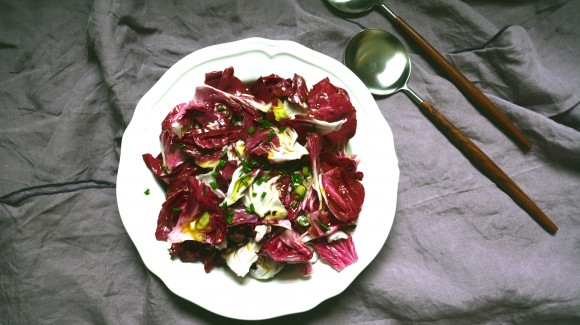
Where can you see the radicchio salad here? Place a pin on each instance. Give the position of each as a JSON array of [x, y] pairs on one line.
[[257, 177]]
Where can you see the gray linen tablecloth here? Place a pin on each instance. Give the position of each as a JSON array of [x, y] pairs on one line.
[[460, 250]]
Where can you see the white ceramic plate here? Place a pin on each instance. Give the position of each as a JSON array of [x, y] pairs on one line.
[[221, 291]]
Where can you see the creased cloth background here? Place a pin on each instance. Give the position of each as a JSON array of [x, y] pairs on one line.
[[460, 250]]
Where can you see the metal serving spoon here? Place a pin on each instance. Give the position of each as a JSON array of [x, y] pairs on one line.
[[383, 64], [467, 87]]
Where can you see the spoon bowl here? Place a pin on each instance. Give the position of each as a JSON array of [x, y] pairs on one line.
[[354, 6], [383, 64], [380, 60], [473, 93]]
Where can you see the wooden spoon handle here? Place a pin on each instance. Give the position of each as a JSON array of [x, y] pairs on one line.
[[466, 87], [487, 166]]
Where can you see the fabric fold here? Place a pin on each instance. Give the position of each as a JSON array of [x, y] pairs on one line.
[[509, 67]]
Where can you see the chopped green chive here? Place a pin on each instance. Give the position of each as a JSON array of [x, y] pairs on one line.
[[222, 163], [246, 168], [264, 124], [221, 109], [251, 130], [228, 114], [213, 185], [326, 227], [263, 195], [229, 216], [147, 192], [262, 180], [296, 178], [303, 221], [300, 191], [203, 221], [254, 194]]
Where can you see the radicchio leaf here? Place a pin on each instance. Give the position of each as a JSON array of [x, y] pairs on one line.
[[305, 269], [299, 91], [339, 253], [265, 87], [199, 199], [226, 81], [169, 214], [177, 121], [343, 194], [190, 251], [155, 164], [240, 103], [286, 246], [172, 154], [217, 139], [331, 103]]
